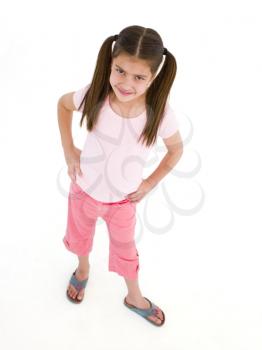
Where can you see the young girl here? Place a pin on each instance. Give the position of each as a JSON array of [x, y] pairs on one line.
[[125, 109]]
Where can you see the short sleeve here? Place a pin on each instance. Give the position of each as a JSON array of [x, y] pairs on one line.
[[78, 97], [169, 124]]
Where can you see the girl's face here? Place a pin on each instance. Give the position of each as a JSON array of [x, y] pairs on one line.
[[130, 77]]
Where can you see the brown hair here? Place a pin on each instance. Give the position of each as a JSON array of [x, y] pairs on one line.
[[145, 44]]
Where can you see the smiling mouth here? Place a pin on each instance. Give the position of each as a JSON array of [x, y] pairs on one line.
[[124, 92]]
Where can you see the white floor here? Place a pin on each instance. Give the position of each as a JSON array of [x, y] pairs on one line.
[[204, 276]]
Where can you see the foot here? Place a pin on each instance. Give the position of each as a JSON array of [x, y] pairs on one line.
[[80, 276], [142, 303]]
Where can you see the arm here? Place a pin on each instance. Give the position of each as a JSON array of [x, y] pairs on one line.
[[65, 108], [174, 147]]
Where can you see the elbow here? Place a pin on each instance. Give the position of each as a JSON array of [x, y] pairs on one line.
[[177, 151], [60, 101]]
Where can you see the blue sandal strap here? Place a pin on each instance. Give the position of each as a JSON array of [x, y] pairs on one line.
[[143, 312], [78, 284]]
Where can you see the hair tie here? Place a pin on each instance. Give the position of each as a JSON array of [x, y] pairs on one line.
[[164, 51], [116, 37]]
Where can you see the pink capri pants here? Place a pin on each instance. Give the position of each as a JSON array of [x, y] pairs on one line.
[[120, 218]]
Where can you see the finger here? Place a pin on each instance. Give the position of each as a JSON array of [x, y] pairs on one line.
[[136, 194], [131, 194], [135, 197], [78, 170], [72, 178], [74, 174], [137, 200], [71, 174]]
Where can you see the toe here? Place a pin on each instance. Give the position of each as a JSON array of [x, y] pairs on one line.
[[155, 319], [72, 292], [160, 314], [80, 295]]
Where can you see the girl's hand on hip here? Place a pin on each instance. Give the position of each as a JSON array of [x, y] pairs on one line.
[[72, 157], [142, 190]]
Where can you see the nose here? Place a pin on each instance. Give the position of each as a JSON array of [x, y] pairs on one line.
[[127, 83]]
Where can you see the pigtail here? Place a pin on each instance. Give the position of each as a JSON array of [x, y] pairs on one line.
[[100, 86], [157, 96]]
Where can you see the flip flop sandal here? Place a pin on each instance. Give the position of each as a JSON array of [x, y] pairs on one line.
[[152, 311], [79, 285]]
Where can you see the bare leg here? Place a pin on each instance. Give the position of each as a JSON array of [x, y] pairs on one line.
[[83, 266], [135, 297], [82, 273]]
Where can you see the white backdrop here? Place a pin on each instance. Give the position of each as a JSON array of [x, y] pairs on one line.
[[205, 270]]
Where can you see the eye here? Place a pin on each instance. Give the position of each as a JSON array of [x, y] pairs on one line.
[[121, 71], [118, 70]]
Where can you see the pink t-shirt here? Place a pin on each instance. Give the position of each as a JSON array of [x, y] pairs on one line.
[[111, 160]]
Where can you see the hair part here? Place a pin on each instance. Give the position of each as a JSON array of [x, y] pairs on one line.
[[142, 43]]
